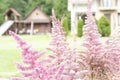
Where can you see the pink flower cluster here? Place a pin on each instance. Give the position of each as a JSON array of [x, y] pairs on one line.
[[61, 52], [97, 61], [32, 68], [101, 61]]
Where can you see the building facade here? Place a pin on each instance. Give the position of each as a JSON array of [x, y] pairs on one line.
[[108, 8]]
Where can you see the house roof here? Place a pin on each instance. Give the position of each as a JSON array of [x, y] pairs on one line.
[[37, 15], [12, 10]]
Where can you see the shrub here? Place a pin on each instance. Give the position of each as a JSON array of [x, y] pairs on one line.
[[65, 25], [99, 29], [104, 26], [79, 27]]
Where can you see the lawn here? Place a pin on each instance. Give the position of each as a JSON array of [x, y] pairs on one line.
[[9, 53]]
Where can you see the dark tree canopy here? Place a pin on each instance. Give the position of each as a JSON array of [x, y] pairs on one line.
[[25, 6]]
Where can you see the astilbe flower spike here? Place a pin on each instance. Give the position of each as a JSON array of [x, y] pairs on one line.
[[92, 44], [30, 58], [98, 62], [32, 68], [61, 53], [112, 49], [112, 54]]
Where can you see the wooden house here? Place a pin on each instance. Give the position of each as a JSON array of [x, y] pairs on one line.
[[36, 22], [12, 17], [12, 14]]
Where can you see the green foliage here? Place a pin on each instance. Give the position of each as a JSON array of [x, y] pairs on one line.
[[25, 6], [79, 27], [65, 25], [45, 5], [1, 18], [19, 5], [104, 26], [2, 10], [60, 7]]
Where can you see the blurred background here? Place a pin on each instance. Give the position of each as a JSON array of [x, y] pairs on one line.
[[31, 19]]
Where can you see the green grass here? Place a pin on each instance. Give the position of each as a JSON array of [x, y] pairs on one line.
[[9, 53]]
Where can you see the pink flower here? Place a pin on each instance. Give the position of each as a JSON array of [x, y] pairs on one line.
[[32, 68], [61, 54], [100, 62], [97, 61], [30, 58]]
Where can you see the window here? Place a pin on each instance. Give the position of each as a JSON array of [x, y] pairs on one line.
[[37, 13], [119, 19], [107, 3]]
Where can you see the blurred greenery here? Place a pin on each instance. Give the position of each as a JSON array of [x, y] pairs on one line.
[[80, 27], [25, 6], [65, 25], [104, 26]]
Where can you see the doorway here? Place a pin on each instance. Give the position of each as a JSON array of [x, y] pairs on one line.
[[108, 15]]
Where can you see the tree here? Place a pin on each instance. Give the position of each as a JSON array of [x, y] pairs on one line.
[[25, 6], [65, 25], [60, 7], [45, 5], [17, 5], [3, 8], [79, 27], [12, 4], [104, 26]]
